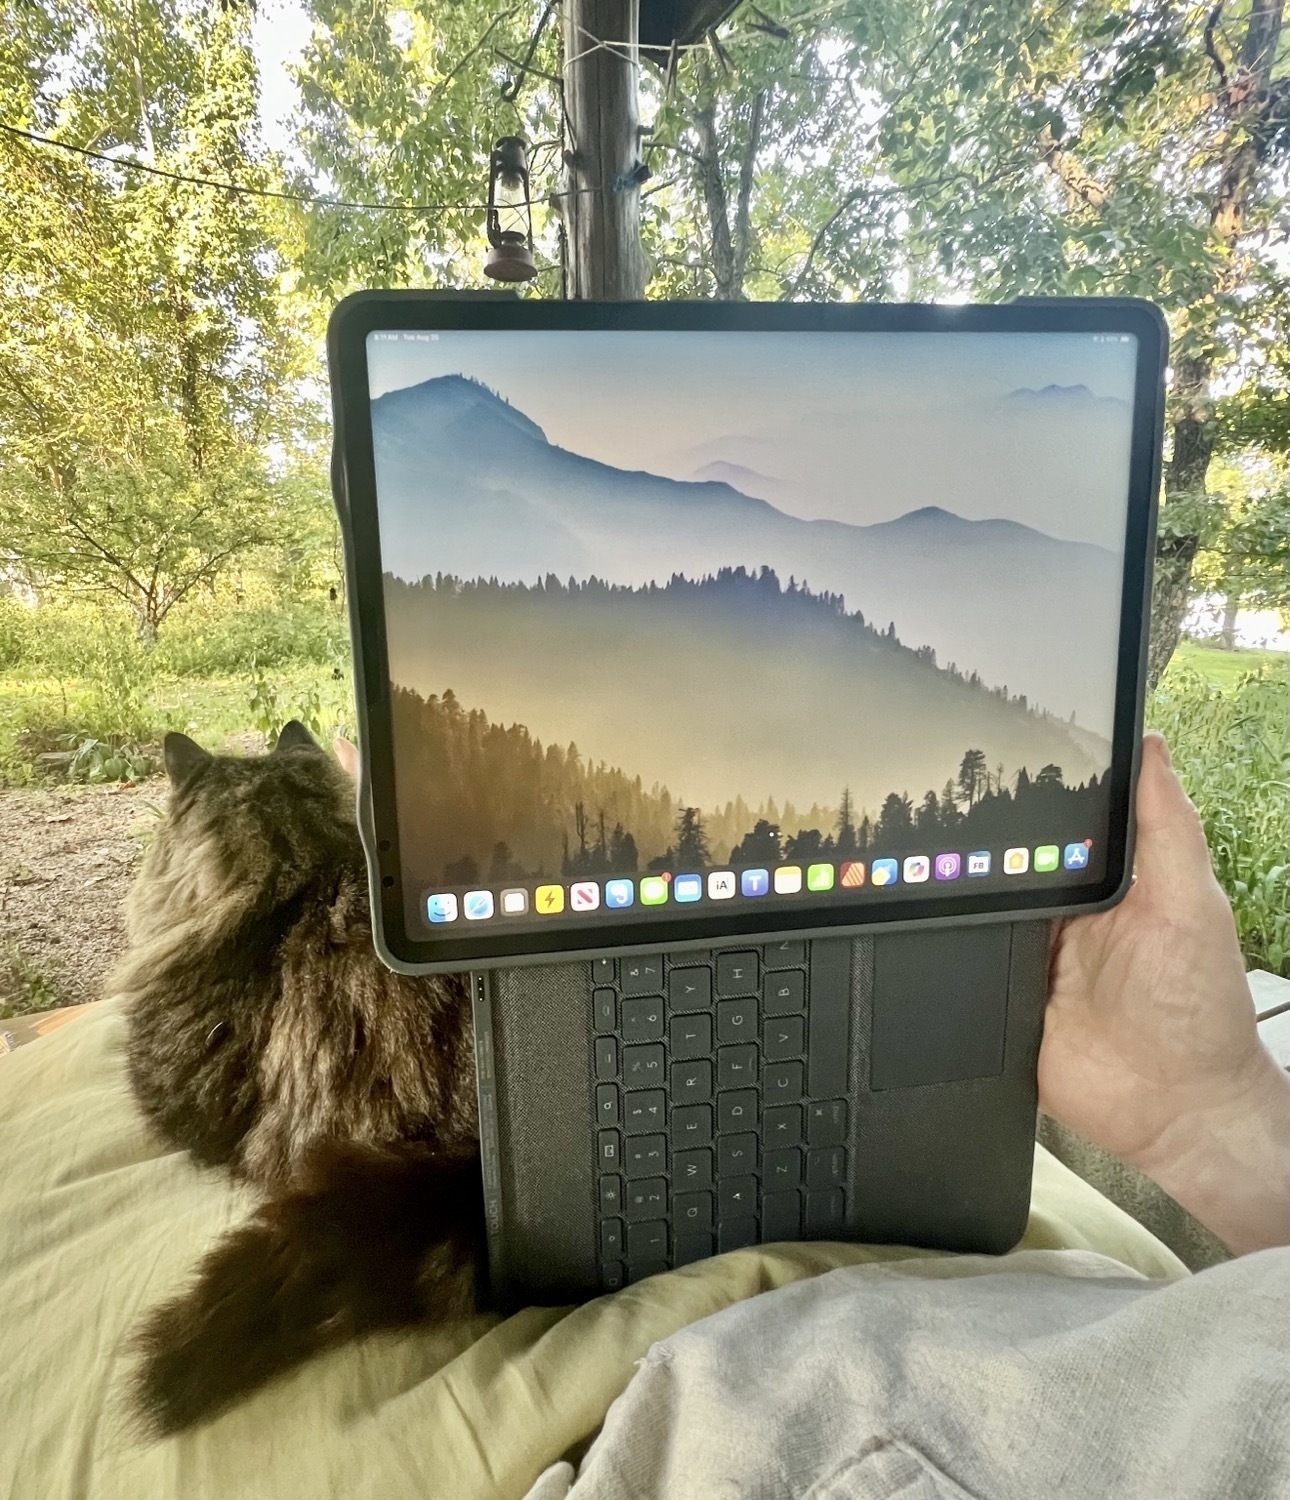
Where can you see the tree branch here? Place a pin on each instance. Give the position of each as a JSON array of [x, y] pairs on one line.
[[747, 167], [1077, 182], [1211, 44]]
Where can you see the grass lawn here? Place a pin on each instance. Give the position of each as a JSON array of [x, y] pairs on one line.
[[1226, 667]]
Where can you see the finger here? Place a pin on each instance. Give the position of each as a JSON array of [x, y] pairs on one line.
[[1171, 842]]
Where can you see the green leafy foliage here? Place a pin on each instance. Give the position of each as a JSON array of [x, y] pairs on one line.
[[1232, 752]]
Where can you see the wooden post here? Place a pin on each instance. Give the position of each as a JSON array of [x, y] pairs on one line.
[[604, 260]]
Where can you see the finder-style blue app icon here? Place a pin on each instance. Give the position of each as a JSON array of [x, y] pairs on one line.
[[1076, 857], [442, 908], [687, 888], [619, 893], [754, 882]]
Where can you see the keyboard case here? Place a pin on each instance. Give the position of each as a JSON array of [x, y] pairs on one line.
[[936, 1065]]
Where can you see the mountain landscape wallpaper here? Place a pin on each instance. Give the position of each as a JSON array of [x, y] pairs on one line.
[[810, 609]]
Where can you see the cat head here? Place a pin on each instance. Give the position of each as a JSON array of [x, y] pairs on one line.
[[244, 833]]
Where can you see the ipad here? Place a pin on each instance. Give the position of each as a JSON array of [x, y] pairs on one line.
[[681, 622]]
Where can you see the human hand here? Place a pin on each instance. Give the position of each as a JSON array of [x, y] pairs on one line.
[[1150, 1046]]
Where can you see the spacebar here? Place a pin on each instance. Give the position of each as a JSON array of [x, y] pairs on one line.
[[828, 1045]]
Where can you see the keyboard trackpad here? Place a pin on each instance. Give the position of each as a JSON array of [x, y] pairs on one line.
[[940, 1004]]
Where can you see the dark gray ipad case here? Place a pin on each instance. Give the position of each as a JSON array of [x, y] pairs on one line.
[[742, 689]]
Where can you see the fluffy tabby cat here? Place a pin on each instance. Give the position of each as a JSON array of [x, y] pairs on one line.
[[267, 1038]]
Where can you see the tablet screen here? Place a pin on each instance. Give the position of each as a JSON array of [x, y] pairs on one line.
[[680, 622]]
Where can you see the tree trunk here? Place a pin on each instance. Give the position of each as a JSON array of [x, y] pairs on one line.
[[1227, 635], [605, 261]]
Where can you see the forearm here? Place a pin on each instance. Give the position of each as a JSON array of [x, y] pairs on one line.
[[1230, 1167]]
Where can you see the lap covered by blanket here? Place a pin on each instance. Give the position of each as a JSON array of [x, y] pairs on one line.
[[99, 1222]]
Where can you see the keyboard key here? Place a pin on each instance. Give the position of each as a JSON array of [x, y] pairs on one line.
[[692, 1247], [736, 1234], [611, 1239], [647, 1241], [825, 1212], [644, 1269], [646, 1199], [737, 1154], [606, 1104], [826, 1167], [608, 1150], [692, 1211], [611, 1196], [783, 1125], [602, 971], [781, 1216], [643, 1020], [826, 1122], [643, 976], [604, 1010], [737, 1196], [737, 1020], [789, 955], [737, 1067], [644, 1110], [782, 1081], [785, 994], [645, 1155], [736, 973], [643, 1066], [612, 1277], [782, 1169], [690, 1037], [606, 1057], [736, 1110], [692, 1169], [691, 1082], [692, 1125], [689, 989], [784, 1038]]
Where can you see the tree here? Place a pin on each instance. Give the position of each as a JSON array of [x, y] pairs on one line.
[[974, 777], [146, 361], [691, 847], [845, 842], [760, 847]]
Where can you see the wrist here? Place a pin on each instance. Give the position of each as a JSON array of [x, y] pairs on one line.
[[1228, 1163]]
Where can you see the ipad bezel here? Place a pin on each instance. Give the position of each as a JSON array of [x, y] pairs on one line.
[[353, 482]]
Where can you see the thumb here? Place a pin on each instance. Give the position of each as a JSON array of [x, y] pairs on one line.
[[1171, 851]]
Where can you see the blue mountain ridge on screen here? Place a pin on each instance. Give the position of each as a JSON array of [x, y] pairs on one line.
[[468, 485]]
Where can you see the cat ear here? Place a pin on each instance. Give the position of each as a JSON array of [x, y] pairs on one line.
[[347, 754], [294, 736], [182, 757]]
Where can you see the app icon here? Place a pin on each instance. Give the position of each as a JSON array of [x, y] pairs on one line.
[[819, 877], [788, 880], [548, 899], [619, 893], [948, 866], [721, 885], [884, 872], [653, 890], [1016, 861], [515, 902], [852, 875], [477, 906], [584, 895], [1076, 857], [754, 882], [1046, 858], [687, 888], [979, 863], [442, 908], [917, 868]]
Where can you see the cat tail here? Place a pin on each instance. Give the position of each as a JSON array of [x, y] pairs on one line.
[[367, 1238]]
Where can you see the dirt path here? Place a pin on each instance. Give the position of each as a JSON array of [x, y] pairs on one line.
[[67, 857]]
